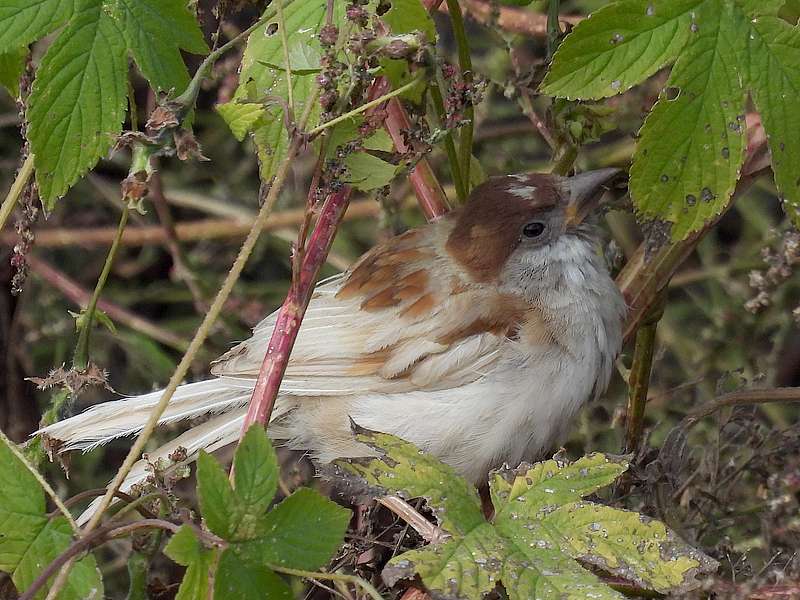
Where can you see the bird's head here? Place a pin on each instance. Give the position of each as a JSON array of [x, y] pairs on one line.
[[526, 222]]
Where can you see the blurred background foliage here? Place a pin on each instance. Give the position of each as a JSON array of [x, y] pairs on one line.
[[730, 482]]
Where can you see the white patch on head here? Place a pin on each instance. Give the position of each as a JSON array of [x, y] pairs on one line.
[[523, 191]]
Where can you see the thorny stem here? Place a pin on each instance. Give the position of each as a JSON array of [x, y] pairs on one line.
[[465, 63], [354, 579], [41, 480], [24, 173], [785, 394], [85, 321], [639, 378], [366, 106]]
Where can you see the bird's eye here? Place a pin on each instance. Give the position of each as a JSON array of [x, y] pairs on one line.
[[533, 229]]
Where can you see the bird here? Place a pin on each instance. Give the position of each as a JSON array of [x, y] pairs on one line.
[[477, 337]]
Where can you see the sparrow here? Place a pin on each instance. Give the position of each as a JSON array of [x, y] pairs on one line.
[[477, 337]]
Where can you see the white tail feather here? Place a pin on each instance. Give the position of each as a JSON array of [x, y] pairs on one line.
[[211, 435], [105, 422]]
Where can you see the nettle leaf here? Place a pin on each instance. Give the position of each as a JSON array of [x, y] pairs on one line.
[[367, 172], [12, 65], [155, 32], [692, 145], [77, 104], [541, 526], [25, 21], [302, 532], [29, 540], [258, 80], [185, 549]]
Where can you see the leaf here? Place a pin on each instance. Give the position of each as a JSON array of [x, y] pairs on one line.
[[237, 578], [12, 66], [622, 44], [221, 508], [774, 76], [540, 527], [29, 541], [255, 472], [302, 532], [303, 20], [366, 172], [240, 116], [627, 544], [77, 104], [692, 145], [155, 32], [25, 21], [407, 16], [185, 549]]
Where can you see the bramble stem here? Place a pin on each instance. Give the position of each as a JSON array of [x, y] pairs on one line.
[[354, 579]]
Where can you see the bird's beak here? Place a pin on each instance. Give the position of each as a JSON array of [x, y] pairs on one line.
[[585, 191]]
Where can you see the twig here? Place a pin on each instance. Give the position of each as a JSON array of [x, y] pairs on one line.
[[204, 229], [354, 579], [429, 532], [514, 20], [366, 106], [42, 481], [79, 546], [21, 180], [784, 394], [86, 320], [435, 89], [287, 66], [80, 296]]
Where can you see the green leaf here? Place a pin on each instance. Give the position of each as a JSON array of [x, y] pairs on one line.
[[77, 104], [624, 543], [406, 16], [774, 76], [255, 472], [185, 549], [240, 116], [219, 505], [366, 172], [302, 532], [691, 147], [156, 31], [12, 65], [553, 482], [243, 580], [25, 21], [540, 527], [303, 20], [622, 44], [29, 541]]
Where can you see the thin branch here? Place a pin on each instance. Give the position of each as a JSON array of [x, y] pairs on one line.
[[287, 63], [465, 63], [429, 532], [512, 19], [766, 396], [42, 481], [80, 297], [204, 229], [354, 579], [13, 196]]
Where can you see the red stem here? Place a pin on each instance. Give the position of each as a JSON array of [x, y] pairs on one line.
[[433, 202]]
